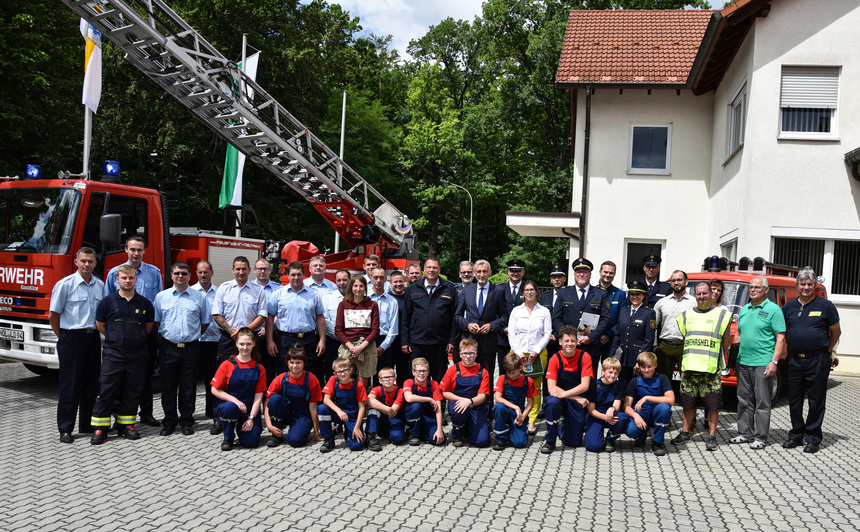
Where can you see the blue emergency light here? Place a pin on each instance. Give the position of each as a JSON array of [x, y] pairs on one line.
[[33, 171], [110, 168]]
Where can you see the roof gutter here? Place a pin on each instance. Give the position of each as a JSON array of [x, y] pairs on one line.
[[713, 29]]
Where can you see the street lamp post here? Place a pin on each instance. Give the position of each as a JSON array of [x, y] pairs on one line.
[[470, 211]]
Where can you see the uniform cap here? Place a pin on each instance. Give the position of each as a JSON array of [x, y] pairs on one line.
[[582, 263], [516, 264], [557, 269], [636, 286], [652, 260]]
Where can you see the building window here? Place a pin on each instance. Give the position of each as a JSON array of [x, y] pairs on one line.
[[650, 149], [838, 261], [737, 120], [634, 253], [729, 249], [808, 102]]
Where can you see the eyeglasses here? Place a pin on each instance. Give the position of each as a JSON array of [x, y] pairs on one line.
[[756, 287], [469, 354], [676, 280], [467, 272], [386, 378], [529, 290], [342, 372], [420, 371], [180, 273]]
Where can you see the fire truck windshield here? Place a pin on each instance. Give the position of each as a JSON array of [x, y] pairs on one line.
[[38, 220]]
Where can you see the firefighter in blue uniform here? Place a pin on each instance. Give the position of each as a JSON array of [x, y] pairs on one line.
[[635, 331], [655, 289], [126, 319], [577, 300]]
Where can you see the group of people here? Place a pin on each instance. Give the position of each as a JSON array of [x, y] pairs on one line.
[[401, 330]]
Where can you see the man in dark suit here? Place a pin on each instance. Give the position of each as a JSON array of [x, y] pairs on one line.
[[655, 289], [575, 301], [428, 320], [634, 332], [482, 314], [513, 293]]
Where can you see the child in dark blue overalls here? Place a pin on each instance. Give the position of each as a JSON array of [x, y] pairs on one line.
[[240, 383], [649, 403], [568, 377], [605, 396], [423, 407], [466, 386], [292, 401], [385, 416], [343, 402], [514, 395]]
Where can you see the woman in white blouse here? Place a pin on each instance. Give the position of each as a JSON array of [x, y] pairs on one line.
[[529, 329]]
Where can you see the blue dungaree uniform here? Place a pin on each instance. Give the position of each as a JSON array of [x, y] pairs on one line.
[[242, 386], [574, 415], [657, 415], [124, 360], [473, 420], [292, 407], [382, 424], [605, 396], [504, 428], [346, 401], [420, 417]]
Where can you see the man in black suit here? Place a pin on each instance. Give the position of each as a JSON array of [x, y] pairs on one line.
[[513, 293], [482, 314], [655, 289], [579, 299]]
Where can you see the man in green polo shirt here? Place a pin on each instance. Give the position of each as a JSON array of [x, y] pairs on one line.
[[762, 328]]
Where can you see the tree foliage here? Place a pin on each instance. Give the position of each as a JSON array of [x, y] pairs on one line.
[[475, 105]]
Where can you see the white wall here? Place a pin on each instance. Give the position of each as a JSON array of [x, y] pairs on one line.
[[638, 207]]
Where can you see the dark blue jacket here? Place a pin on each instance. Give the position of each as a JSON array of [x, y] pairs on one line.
[[634, 334], [569, 309], [426, 320]]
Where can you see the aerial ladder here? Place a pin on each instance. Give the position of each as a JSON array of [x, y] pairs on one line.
[[170, 52]]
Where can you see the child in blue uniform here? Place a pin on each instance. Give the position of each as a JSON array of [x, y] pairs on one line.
[[292, 400], [423, 400], [514, 395], [240, 383], [605, 397], [568, 377], [649, 403], [385, 415], [343, 403], [466, 386]]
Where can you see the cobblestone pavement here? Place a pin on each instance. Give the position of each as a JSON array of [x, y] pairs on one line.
[[187, 483]]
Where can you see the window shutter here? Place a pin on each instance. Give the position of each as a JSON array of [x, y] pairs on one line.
[[809, 87]]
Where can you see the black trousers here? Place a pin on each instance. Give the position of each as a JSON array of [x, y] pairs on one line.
[[79, 353], [807, 377], [121, 383], [152, 341], [316, 364], [179, 370]]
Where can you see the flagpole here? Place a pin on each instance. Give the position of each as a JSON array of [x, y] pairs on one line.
[[339, 166], [241, 212], [88, 140]]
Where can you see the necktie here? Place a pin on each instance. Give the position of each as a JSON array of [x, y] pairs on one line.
[[632, 310], [432, 288], [554, 297], [480, 299], [513, 291], [582, 294]]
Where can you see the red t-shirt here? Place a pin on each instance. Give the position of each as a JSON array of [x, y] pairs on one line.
[[360, 393], [222, 376], [434, 388], [395, 397], [570, 364], [517, 383], [450, 378], [313, 386]]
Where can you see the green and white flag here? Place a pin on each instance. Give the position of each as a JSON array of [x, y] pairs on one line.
[[231, 184]]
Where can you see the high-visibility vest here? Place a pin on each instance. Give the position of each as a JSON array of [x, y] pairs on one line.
[[703, 335]]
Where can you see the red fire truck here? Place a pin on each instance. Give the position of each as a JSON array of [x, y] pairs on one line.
[[47, 220]]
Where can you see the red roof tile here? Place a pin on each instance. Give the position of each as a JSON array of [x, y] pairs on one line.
[[626, 47]]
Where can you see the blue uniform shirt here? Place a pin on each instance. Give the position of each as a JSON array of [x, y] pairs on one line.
[[270, 288], [181, 314], [211, 334], [323, 288], [330, 302], [389, 319], [149, 282], [240, 305], [296, 311], [75, 300]]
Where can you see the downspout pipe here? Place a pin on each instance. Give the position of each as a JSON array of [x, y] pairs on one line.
[[583, 217]]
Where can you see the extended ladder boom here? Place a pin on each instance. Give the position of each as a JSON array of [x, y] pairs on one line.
[[171, 53]]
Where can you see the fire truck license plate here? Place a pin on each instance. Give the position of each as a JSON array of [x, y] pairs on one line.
[[12, 334]]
